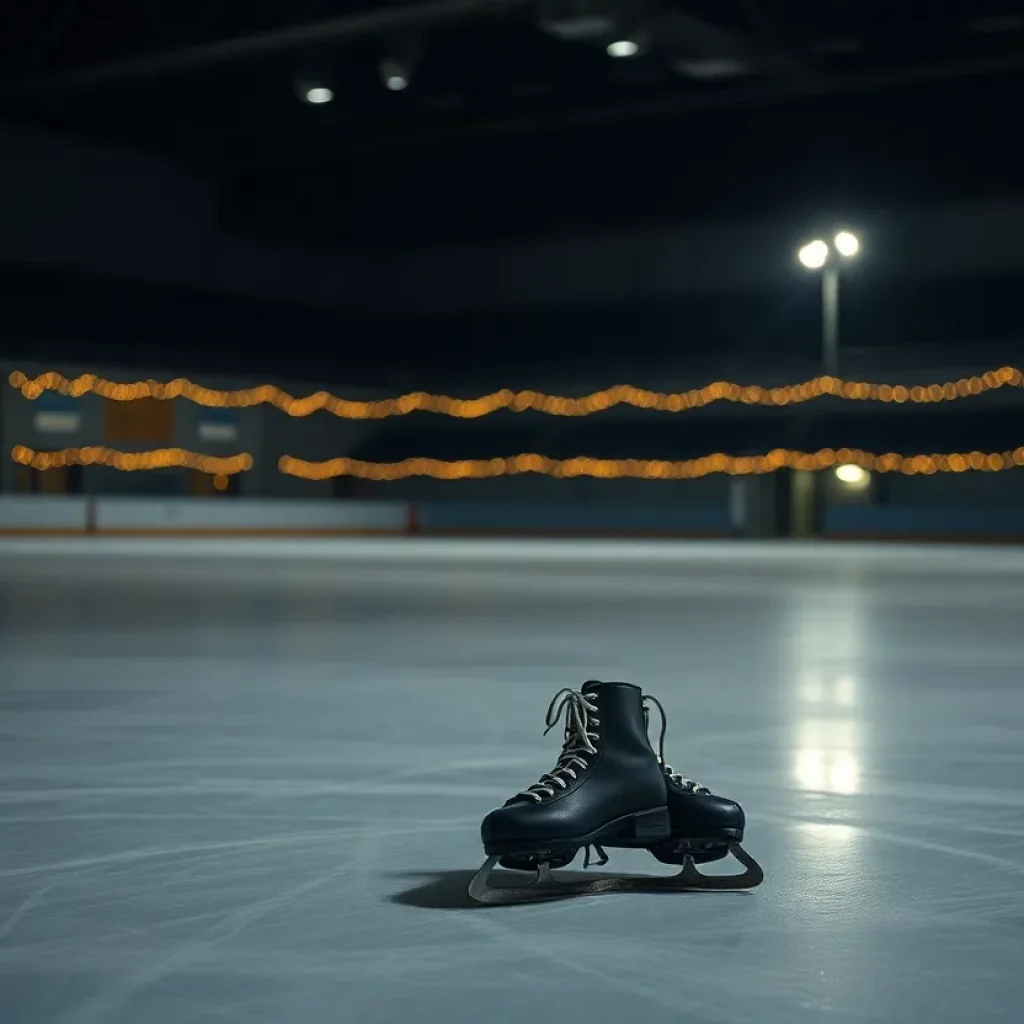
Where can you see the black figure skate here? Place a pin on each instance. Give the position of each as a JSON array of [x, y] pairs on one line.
[[607, 790], [703, 827]]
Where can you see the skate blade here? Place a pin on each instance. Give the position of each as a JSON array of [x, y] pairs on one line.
[[546, 887], [691, 879]]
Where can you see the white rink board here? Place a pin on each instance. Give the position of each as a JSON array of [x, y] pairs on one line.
[[31, 513], [43, 512], [237, 514]]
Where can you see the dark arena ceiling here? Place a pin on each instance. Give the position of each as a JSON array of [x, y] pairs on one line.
[[481, 118]]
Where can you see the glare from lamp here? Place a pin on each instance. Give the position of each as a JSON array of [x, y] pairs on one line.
[[847, 243], [318, 94], [852, 476], [814, 255], [623, 48], [396, 73]]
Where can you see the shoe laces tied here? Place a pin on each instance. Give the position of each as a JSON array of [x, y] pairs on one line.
[[581, 723], [683, 783]]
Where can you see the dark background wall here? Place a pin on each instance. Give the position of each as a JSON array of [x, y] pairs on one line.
[[104, 211], [107, 254], [620, 253]]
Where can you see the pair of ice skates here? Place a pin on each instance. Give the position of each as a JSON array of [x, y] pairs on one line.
[[609, 789]]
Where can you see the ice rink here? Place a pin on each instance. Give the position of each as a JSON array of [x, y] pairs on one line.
[[243, 781]]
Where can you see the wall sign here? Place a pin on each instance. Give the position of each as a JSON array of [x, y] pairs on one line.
[[218, 425], [55, 413]]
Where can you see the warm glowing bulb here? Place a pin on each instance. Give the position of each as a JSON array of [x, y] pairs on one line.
[[813, 255], [847, 243], [853, 476], [319, 94], [623, 48]]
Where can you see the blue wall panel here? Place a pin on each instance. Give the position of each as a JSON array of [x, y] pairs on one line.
[[705, 518], [925, 520]]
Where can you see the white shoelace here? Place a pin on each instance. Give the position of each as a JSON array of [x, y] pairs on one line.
[[581, 723], [688, 785]]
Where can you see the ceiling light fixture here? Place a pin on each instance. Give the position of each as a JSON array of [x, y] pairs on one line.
[[317, 94], [623, 48]]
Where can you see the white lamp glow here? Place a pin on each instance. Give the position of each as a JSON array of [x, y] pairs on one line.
[[853, 476], [813, 255], [623, 48], [847, 243], [318, 94]]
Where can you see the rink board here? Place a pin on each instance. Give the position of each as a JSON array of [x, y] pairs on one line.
[[35, 515]]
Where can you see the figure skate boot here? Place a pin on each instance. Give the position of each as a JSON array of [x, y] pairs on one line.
[[705, 828], [607, 790]]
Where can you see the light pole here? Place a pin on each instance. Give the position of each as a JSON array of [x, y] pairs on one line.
[[828, 257]]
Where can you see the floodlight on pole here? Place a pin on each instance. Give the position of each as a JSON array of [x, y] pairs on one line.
[[847, 244], [813, 255], [820, 255]]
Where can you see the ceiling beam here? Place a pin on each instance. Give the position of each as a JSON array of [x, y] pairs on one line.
[[259, 44], [751, 94], [674, 28]]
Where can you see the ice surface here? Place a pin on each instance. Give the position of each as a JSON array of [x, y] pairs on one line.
[[243, 781]]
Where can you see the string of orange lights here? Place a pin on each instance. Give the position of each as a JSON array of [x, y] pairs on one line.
[[651, 469], [580, 466], [519, 401], [161, 458], [648, 469]]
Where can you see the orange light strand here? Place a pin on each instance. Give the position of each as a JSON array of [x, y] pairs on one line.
[[161, 458], [518, 401]]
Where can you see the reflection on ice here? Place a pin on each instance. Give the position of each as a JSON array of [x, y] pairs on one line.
[[827, 771], [846, 691], [821, 688], [826, 833], [826, 757]]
